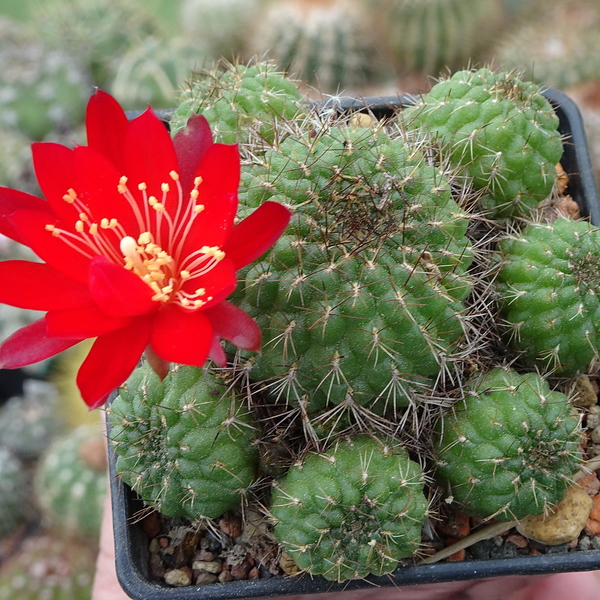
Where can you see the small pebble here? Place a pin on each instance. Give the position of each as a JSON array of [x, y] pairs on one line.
[[206, 578], [225, 577], [178, 577], [231, 525], [207, 566], [563, 524], [240, 571], [593, 417]]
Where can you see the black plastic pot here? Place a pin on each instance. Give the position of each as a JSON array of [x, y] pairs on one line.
[[131, 543]]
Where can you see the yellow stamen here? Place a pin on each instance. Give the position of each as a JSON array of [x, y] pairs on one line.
[[174, 175], [79, 226], [194, 194], [198, 208], [142, 186], [164, 187], [197, 181], [94, 228]]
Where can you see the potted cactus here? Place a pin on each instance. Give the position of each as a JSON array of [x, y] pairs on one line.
[[363, 380]]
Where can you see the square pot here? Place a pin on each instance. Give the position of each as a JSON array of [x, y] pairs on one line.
[[131, 543]]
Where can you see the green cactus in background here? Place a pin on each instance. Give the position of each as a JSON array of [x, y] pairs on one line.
[[222, 27], [151, 72], [238, 101], [184, 444], [352, 511], [431, 36], [29, 424], [360, 301], [41, 89], [547, 292], [556, 45], [15, 505], [15, 160], [49, 568], [323, 43], [97, 32], [510, 448], [70, 482], [500, 131]]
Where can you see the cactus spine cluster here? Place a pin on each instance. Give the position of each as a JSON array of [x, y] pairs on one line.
[[510, 448]]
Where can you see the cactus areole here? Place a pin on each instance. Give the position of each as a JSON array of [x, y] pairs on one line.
[[140, 248]]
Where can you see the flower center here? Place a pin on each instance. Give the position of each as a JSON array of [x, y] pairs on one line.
[[155, 256]]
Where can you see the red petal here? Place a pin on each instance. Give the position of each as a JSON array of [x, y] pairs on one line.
[[213, 225], [157, 364], [220, 171], [119, 292], [216, 353], [111, 360], [181, 336], [254, 235], [55, 171], [191, 143], [235, 325], [107, 125], [150, 156], [30, 345], [12, 201], [82, 323], [52, 249], [37, 286], [97, 187], [218, 283]]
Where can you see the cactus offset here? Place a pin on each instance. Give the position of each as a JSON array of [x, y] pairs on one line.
[[184, 444], [547, 291], [239, 100], [510, 448], [352, 511], [361, 300], [500, 131]]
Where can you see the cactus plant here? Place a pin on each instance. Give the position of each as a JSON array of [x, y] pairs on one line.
[[70, 482], [98, 32], [41, 89], [237, 100], [557, 46], [510, 448], [323, 43], [29, 424], [47, 567], [352, 511], [360, 301], [15, 506], [546, 290], [500, 130], [184, 444], [150, 73], [223, 27], [429, 36]]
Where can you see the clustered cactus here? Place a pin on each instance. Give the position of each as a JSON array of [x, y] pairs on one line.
[[376, 306]]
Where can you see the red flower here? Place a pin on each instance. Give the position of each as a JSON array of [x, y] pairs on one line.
[[140, 248]]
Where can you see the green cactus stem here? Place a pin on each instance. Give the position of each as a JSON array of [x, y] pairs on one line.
[[184, 444], [500, 131], [352, 511], [548, 293], [510, 448]]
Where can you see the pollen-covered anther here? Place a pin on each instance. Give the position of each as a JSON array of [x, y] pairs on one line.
[[70, 196], [53, 229], [174, 175], [164, 187]]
